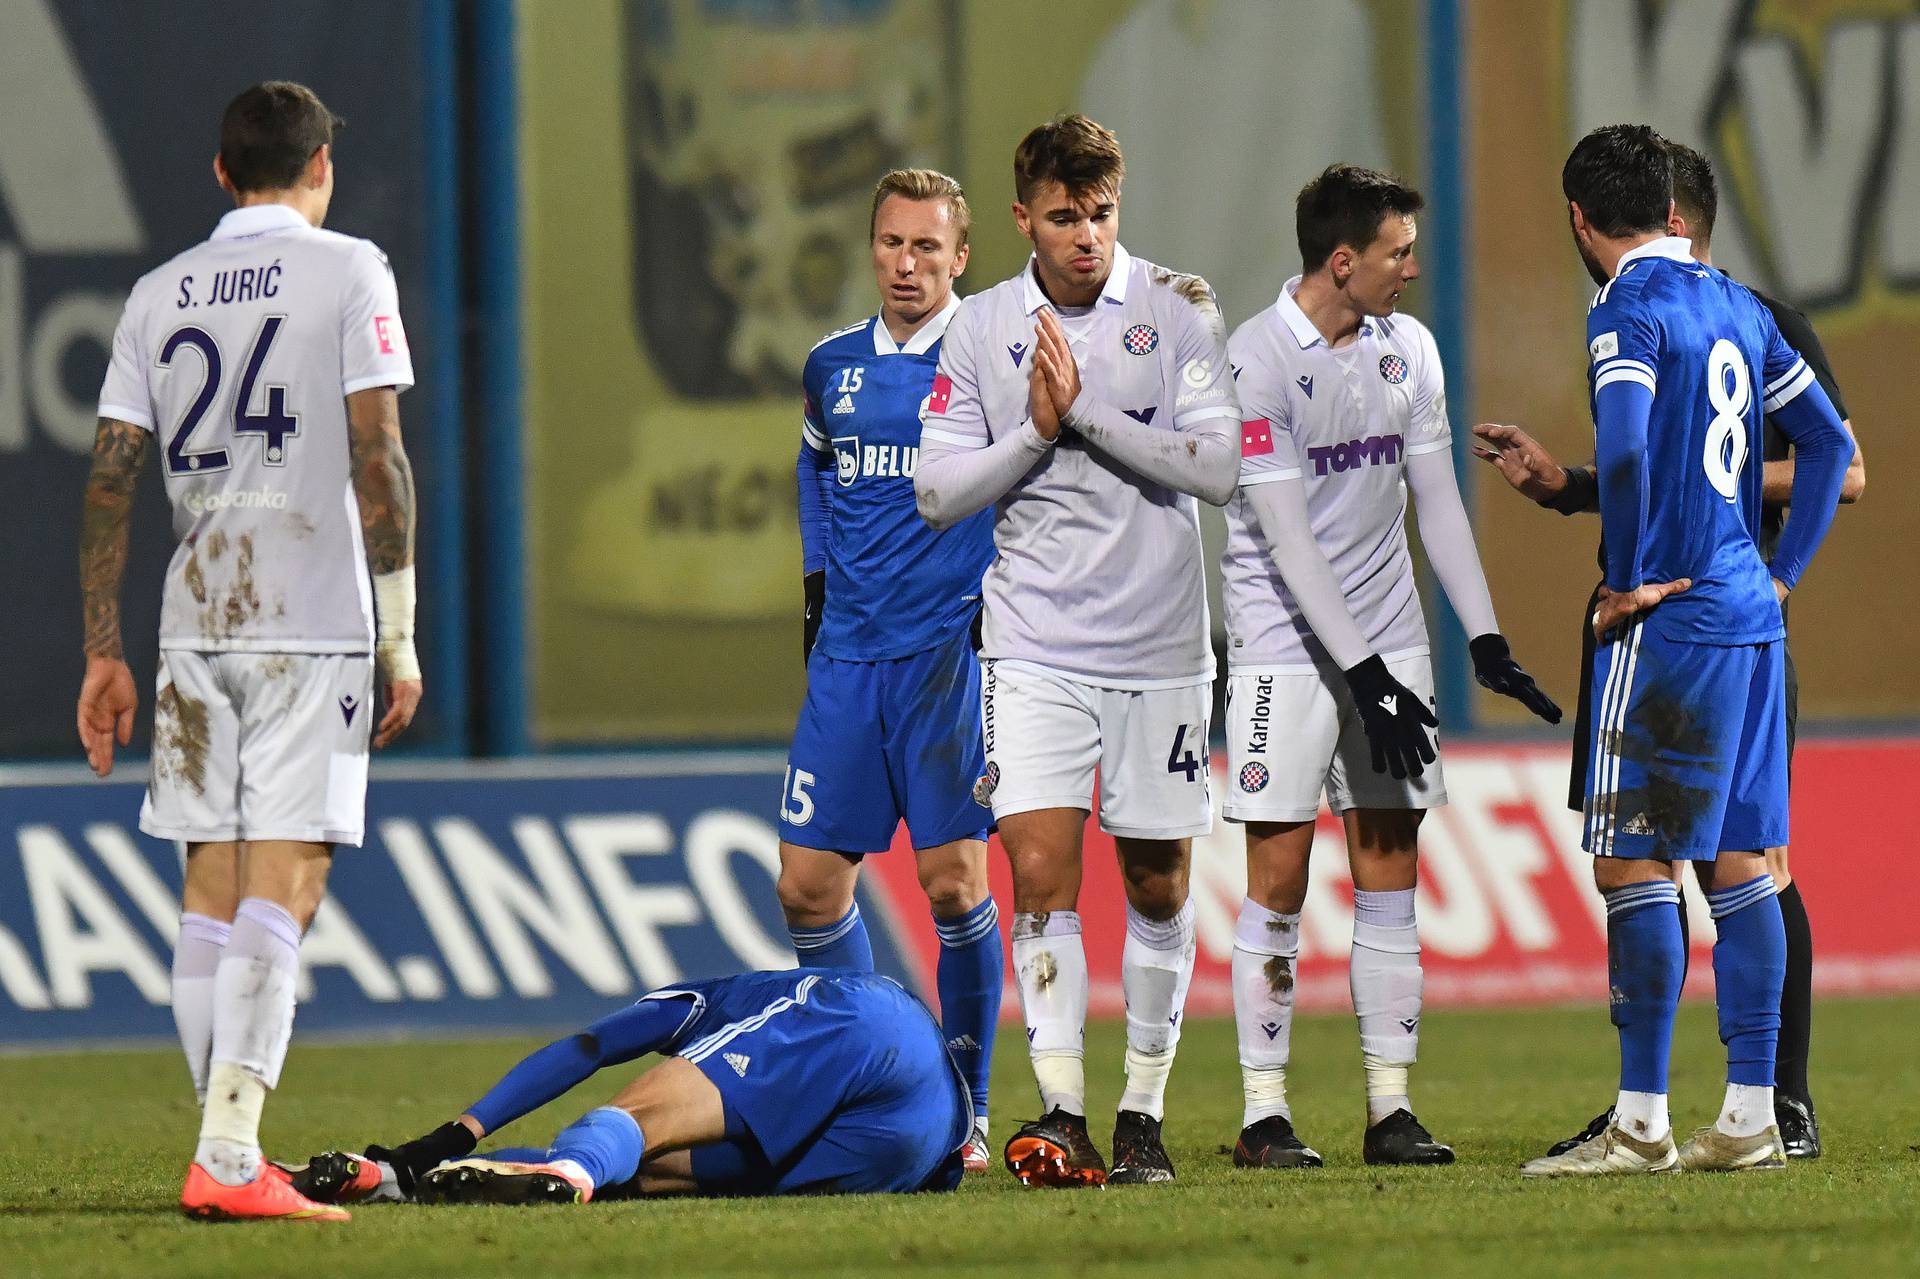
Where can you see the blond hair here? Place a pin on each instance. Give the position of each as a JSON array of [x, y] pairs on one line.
[[922, 184]]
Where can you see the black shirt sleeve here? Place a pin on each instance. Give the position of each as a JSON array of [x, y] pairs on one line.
[[1798, 332]]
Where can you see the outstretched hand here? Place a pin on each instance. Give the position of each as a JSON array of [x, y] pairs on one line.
[[1523, 463]]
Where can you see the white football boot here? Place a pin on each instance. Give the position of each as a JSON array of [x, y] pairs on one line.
[[1611, 1153]]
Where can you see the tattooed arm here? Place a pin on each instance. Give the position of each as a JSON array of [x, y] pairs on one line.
[[107, 696], [383, 485]]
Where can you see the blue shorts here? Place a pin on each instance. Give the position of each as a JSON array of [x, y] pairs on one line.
[[881, 741], [1688, 751], [834, 1082]]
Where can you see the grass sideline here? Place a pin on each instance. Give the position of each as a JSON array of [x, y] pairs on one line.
[[93, 1149]]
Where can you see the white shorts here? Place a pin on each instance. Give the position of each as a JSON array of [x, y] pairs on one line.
[[260, 746], [1291, 736], [1047, 734]]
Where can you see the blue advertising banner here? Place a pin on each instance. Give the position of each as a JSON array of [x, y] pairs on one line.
[[511, 896]]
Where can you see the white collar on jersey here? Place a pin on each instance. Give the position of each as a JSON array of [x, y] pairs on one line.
[[928, 334], [1675, 247], [1296, 320], [257, 219], [1305, 331], [1114, 294]]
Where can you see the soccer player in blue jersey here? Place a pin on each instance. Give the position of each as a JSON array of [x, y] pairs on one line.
[[891, 724], [800, 1082], [1688, 757]]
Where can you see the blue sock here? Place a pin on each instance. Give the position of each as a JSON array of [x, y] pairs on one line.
[[1646, 963], [841, 944], [606, 1142], [1749, 968], [544, 1074], [517, 1154], [970, 976]]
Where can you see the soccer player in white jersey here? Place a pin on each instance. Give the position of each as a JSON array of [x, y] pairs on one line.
[[1346, 411], [1089, 397], [265, 366]]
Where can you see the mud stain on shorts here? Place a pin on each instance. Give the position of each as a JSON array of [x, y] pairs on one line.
[[180, 738]]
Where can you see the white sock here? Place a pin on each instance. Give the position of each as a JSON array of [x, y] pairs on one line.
[[1643, 1115], [252, 1024], [1050, 968], [1156, 967], [1386, 979], [196, 956], [1747, 1111], [1266, 944]]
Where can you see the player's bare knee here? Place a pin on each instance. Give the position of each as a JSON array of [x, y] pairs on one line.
[[1155, 872], [953, 876], [811, 900], [1610, 873], [1384, 870]]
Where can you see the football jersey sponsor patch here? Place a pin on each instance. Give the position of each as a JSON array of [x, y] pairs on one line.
[[942, 392], [1256, 438], [1604, 347]]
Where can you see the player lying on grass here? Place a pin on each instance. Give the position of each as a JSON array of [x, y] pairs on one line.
[[801, 1082]]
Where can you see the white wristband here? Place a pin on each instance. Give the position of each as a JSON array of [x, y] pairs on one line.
[[393, 601]]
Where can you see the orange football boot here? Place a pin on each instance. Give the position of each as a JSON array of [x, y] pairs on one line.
[[266, 1198]]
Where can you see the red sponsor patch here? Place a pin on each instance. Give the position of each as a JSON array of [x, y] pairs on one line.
[[1256, 438], [388, 333], [942, 392]]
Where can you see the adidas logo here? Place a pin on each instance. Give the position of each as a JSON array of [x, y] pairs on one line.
[[964, 1044], [845, 405], [739, 1062], [1637, 825]]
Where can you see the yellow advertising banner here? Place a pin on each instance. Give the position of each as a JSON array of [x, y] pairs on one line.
[[1810, 113], [696, 176]]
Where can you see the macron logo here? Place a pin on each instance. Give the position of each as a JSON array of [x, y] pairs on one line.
[[1143, 416], [1016, 350], [1306, 384], [739, 1062]]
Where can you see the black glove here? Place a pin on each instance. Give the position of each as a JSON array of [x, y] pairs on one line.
[[815, 585], [1393, 716], [1494, 667]]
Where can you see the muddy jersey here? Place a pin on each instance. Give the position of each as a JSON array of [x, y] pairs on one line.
[[238, 355], [1343, 422], [1099, 573]]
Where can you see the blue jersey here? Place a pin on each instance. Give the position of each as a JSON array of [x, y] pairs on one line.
[[895, 587], [1684, 500]]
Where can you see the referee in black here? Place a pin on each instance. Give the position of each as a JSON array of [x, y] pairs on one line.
[[1531, 470]]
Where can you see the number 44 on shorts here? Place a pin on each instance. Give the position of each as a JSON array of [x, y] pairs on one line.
[[1181, 758]]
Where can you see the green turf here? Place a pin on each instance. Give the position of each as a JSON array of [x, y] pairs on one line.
[[92, 1149]]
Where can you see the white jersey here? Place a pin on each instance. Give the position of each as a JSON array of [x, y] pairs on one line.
[[237, 355], [1345, 422], [1100, 573]]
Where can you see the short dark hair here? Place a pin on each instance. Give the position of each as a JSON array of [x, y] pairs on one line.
[[1621, 176], [1072, 150], [1694, 190], [1345, 205], [270, 132]]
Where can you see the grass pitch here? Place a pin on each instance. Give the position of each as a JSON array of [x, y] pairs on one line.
[[93, 1148]]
